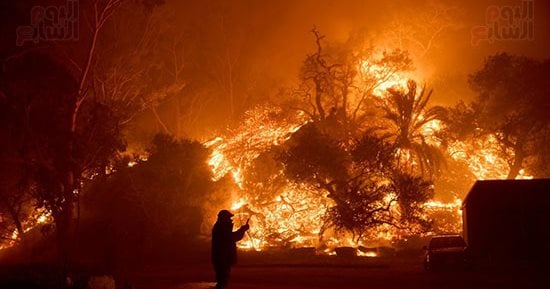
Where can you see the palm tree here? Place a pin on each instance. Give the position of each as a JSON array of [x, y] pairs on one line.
[[408, 126]]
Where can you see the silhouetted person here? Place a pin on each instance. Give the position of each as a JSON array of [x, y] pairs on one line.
[[224, 247]]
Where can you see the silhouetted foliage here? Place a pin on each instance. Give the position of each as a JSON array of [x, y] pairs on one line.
[[67, 133], [52, 158], [154, 204], [15, 199], [362, 180], [460, 122], [407, 114], [512, 104], [338, 80]]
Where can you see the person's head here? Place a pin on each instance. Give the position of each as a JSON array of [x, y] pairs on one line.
[[225, 215]]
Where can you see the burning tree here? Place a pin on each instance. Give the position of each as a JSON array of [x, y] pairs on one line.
[[300, 185], [412, 126], [339, 81], [512, 105], [364, 180], [503, 131]]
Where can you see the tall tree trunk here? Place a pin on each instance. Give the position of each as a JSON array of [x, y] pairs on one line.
[[519, 155], [516, 166], [159, 120], [65, 220], [178, 117], [65, 228], [318, 103], [16, 221]]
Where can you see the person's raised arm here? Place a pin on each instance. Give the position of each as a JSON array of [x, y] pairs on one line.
[[239, 234]]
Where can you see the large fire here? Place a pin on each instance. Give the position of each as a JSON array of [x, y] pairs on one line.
[[294, 216], [482, 157], [383, 77]]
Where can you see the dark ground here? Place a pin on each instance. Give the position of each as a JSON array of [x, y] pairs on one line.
[[299, 270], [333, 272]]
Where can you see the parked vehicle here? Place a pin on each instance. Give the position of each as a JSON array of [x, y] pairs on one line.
[[505, 224], [446, 251]]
